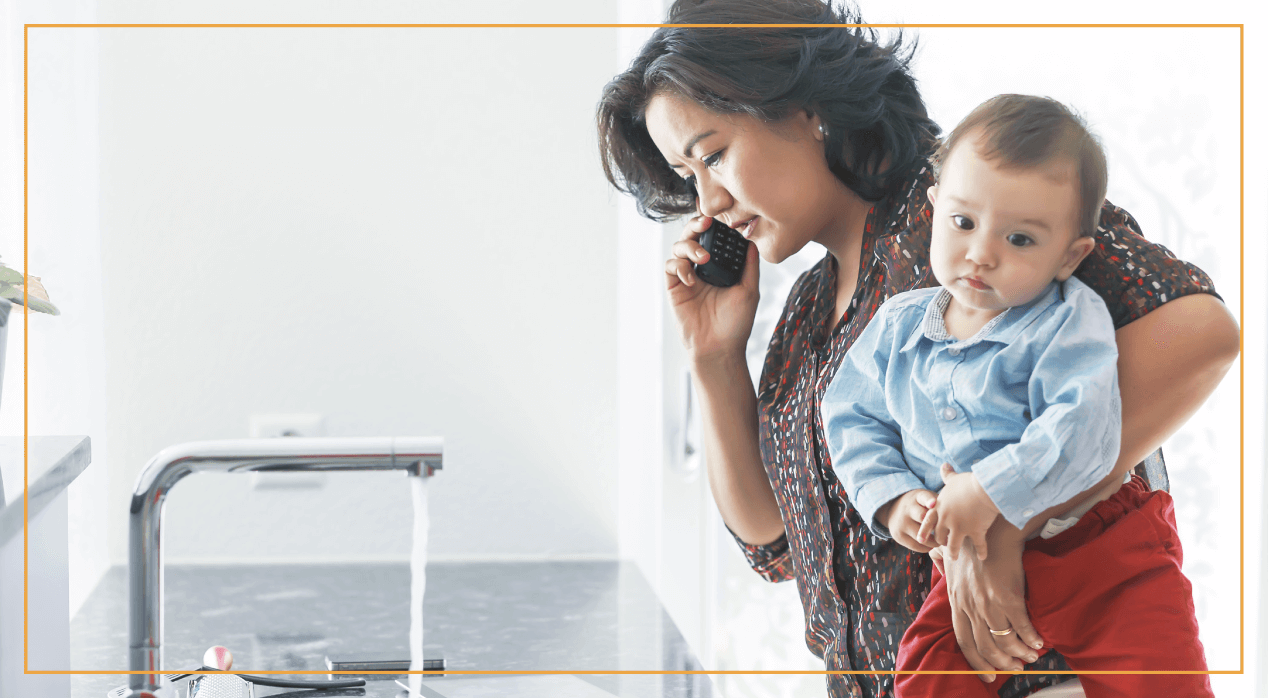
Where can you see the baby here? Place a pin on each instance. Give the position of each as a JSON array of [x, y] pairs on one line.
[[998, 391]]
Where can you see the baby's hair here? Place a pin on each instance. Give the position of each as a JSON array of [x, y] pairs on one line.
[[1027, 131]]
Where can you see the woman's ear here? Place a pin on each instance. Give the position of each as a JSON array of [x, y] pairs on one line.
[[817, 129], [1079, 249], [933, 194]]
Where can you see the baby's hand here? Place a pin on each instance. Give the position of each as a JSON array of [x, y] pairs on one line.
[[964, 510], [903, 516], [936, 555]]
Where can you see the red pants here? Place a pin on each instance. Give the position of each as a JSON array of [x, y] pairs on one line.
[[1107, 594]]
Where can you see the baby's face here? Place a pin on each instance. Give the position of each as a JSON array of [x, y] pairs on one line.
[[1001, 235]]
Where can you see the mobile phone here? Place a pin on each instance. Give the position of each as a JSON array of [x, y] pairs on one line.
[[727, 251]]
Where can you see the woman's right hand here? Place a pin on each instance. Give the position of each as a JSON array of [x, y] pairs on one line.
[[715, 324], [714, 320]]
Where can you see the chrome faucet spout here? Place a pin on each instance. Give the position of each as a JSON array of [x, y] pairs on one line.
[[417, 456]]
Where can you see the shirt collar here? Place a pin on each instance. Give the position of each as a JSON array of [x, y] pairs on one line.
[[1003, 328], [824, 303]]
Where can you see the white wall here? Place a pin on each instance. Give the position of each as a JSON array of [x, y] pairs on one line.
[[66, 361], [404, 230], [641, 314]]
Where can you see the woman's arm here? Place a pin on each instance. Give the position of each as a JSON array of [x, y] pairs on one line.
[[715, 324], [1169, 363], [737, 478]]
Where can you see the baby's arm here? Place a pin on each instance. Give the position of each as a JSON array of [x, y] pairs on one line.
[[864, 441], [1073, 440]]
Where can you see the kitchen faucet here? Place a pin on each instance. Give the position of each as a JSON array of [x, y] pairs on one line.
[[418, 456]]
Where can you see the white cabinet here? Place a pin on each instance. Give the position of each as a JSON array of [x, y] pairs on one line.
[[44, 637]]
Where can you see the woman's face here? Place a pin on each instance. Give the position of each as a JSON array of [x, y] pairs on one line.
[[770, 182]]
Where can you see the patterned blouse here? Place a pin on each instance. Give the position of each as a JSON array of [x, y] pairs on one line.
[[859, 592]]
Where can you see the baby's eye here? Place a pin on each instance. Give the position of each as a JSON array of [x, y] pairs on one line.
[[690, 180], [962, 222], [1019, 240]]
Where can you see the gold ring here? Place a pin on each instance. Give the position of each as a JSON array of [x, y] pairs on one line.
[[1001, 633]]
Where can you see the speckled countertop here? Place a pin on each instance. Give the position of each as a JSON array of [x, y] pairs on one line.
[[478, 616]]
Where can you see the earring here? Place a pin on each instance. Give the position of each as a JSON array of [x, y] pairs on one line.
[[823, 130]]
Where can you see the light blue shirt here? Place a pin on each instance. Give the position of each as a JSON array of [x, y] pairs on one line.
[[1029, 404]]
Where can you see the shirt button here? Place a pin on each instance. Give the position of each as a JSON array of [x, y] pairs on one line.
[[948, 414], [1028, 512], [954, 351]]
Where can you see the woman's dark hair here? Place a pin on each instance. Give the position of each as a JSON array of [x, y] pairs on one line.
[[877, 129]]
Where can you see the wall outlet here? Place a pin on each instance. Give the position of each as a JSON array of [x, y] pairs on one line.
[[267, 426]]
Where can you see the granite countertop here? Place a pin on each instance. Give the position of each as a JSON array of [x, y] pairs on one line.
[[53, 463], [478, 616]]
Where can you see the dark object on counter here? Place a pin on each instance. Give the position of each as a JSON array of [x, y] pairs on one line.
[[315, 685], [436, 664], [727, 251]]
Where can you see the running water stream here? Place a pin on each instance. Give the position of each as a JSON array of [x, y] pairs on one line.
[[418, 582]]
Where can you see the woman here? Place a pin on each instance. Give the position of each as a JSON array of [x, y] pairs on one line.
[[794, 135]]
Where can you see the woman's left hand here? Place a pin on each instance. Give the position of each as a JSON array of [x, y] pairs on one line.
[[990, 595]]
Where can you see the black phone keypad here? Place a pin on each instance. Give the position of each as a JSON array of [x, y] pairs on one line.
[[727, 250]]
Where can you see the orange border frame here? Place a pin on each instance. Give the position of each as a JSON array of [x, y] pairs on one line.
[[1241, 320]]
